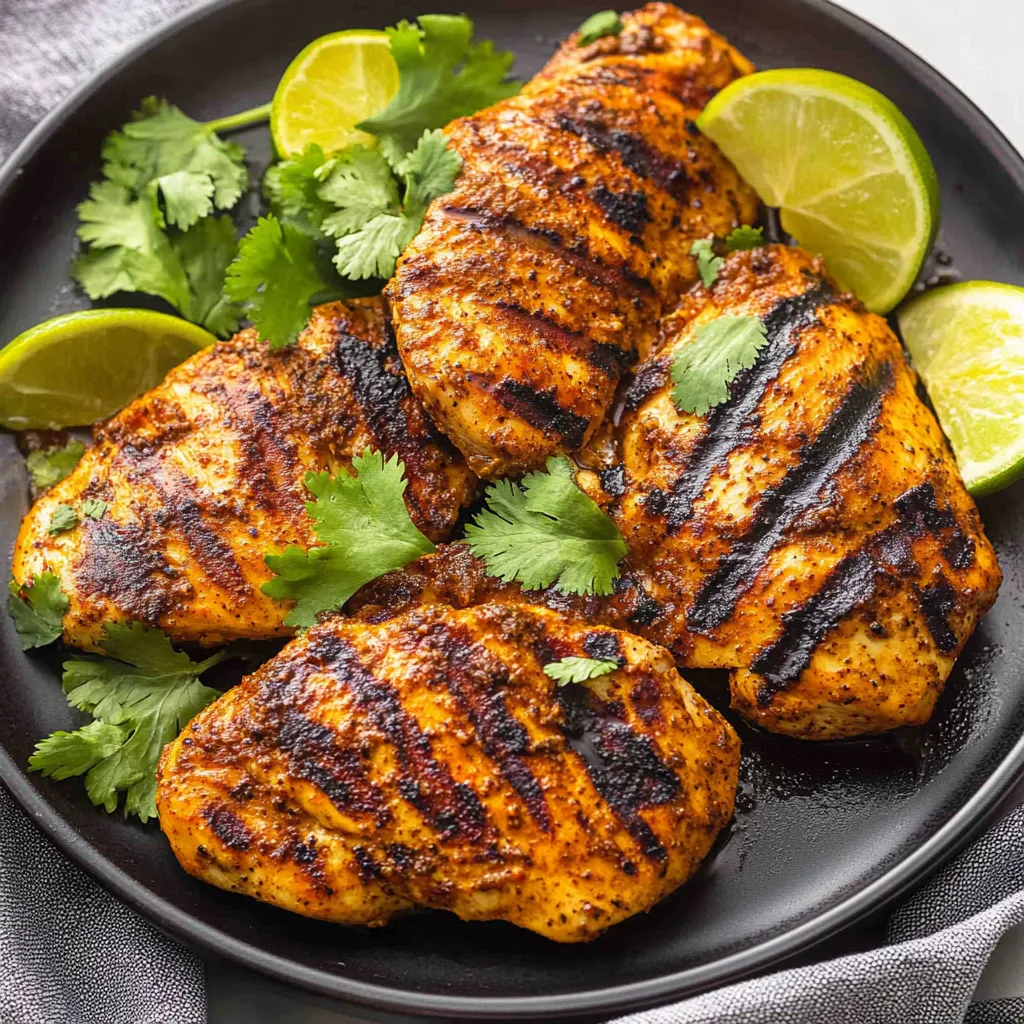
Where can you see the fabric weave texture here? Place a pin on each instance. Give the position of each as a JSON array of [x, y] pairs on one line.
[[71, 953]]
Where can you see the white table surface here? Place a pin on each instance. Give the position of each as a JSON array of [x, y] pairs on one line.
[[978, 47]]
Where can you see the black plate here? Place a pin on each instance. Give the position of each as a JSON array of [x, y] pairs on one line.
[[823, 835]]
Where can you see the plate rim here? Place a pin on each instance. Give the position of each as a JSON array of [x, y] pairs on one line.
[[949, 839]]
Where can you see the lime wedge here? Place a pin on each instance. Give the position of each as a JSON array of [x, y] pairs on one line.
[[334, 83], [82, 367], [967, 341], [848, 172]]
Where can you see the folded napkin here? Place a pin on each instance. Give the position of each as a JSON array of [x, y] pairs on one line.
[[71, 953]]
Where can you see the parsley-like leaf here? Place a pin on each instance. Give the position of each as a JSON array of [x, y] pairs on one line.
[[50, 467], [162, 141], [292, 189], [579, 670], [140, 697], [744, 237], [94, 508], [64, 518], [708, 264], [38, 610], [443, 75], [604, 23], [547, 531], [370, 225], [703, 369], [205, 252], [278, 273], [362, 522]]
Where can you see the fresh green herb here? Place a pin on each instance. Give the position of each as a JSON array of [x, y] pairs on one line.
[[703, 370], [292, 188], [140, 697], [362, 522], [708, 264], [604, 23], [147, 225], [371, 225], [38, 610], [744, 237], [64, 518], [443, 75], [94, 508], [579, 670], [50, 467], [279, 272], [546, 531]]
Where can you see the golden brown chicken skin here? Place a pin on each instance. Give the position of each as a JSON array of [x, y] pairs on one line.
[[811, 533], [204, 474], [542, 275], [427, 760]]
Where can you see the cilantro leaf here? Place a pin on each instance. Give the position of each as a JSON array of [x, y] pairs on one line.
[[703, 369], [604, 23], [708, 264], [443, 75], [64, 518], [38, 610], [362, 522], [370, 226], [744, 237], [278, 273], [162, 141], [140, 697], [188, 197], [579, 670], [94, 508], [50, 467], [292, 189], [547, 531], [205, 252]]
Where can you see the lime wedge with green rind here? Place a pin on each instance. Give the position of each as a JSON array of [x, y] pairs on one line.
[[334, 83], [846, 169], [82, 367], [967, 342]]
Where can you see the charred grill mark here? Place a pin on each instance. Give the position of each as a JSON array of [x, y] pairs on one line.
[[627, 209], [959, 551], [340, 774], [847, 585], [649, 378], [603, 646], [920, 512], [849, 427], [645, 609], [475, 680], [124, 562], [228, 827], [646, 700], [937, 600], [613, 480], [633, 151], [734, 423], [606, 358], [623, 766], [538, 408], [552, 242], [451, 807]]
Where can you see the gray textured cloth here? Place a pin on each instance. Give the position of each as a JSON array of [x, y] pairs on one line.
[[70, 953]]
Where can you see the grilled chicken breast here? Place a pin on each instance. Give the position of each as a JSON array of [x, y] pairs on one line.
[[568, 235], [812, 533], [425, 759], [204, 474]]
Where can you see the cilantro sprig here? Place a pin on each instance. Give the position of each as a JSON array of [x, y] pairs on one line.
[[38, 609], [546, 531], [704, 368], [364, 529], [708, 264], [51, 466], [578, 670], [442, 74], [148, 225], [597, 26], [140, 698]]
